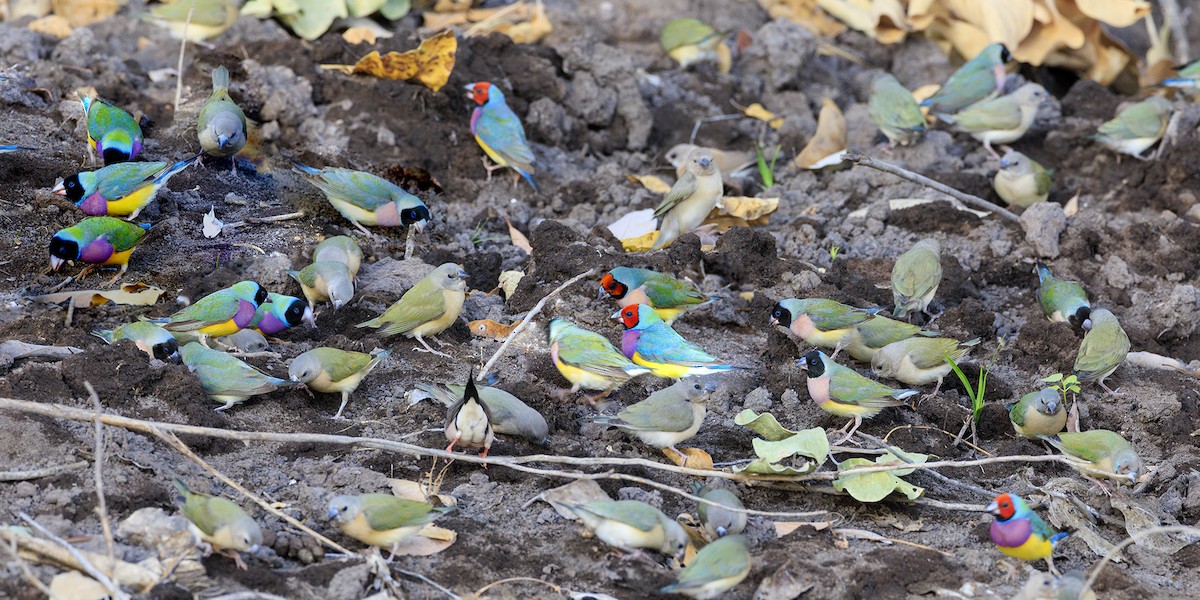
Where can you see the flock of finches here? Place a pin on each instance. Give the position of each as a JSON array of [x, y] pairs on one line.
[[649, 302]]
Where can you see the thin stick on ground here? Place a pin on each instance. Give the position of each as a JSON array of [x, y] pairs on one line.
[[98, 475], [15, 556], [1091, 580], [431, 583], [901, 172], [948, 481], [529, 317], [182, 49], [40, 473], [88, 567]]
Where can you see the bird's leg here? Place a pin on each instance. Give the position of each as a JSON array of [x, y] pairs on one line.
[[1050, 564], [856, 422], [237, 558], [428, 349], [487, 164], [1110, 391], [988, 146], [345, 400], [116, 277], [516, 178], [681, 455], [365, 231], [841, 345], [454, 441], [392, 553]]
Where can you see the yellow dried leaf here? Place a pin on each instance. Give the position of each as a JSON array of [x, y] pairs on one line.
[[783, 528], [419, 491], [806, 14], [509, 281], [86, 12], [891, 21], [855, 13], [435, 21], [724, 58], [696, 458], [829, 139], [1118, 13], [531, 31], [358, 35], [131, 294], [748, 208], [73, 585], [642, 243], [518, 239], [430, 540], [445, 6], [1008, 21], [758, 111], [53, 25], [654, 183], [430, 64]]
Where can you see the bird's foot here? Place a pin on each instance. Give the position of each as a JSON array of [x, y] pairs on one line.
[[432, 351], [237, 558]]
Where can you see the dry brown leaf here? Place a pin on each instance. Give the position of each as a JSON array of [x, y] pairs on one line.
[[518, 239], [487, 328], [806, 14], [760, 112], [358, 35], [419, 491], [73, 585], [131, 294], [891, 21], [430, 540], [1118, 13], [430, 63], [15, 9], [580, 491], [783, 528], [654, 183], [696, 458], [829, 139], [750, 209], [641, 243], [452, 6], [522, 22], [86, 12], [53, 25], [858, 14]]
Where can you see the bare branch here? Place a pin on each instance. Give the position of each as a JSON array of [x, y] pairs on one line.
[[529, 317], [40, 473], [901, 172]]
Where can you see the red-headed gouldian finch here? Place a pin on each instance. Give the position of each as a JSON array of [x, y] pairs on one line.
[[280, 313], [716, 569], [669, 297], [817, 321], [1104, 348], [227, 379], [690, 41], [630, 524], [863, 340], [1019, 532], [102, 241], [720, 521], [427, 308], [205, 19], [222, 124], [651, 343], [1063, 300], [916, 276], [112, 133], [978, 79], [510, 416], [366, 199], [843, 392], [588, 360], [221, 313], [690, 200], [382, 520], [668, 417], [1039, 413], [1137, 127], [326, 281], [220, 523], [121, 190], [919, 360], [1002, 120], [332, 371], [340, 248], [469, 421], [1021, 181], [155, 341], [499, 132], [1103, 450], [895, 111]]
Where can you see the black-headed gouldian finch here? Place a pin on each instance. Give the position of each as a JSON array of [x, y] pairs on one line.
[[669, 297], [120, 190], [1002, 120], [716, 569], [980, 78], [668, 417], [510, 416], [630, 524], [918, 360], [588, 360], [500, 133], [340, 248], [1021, 181], [1039, 413], [1063, 300], [222, 124], [155, 341], [720, 521], [895, 111], [690, 41], [333, 371], [690, 200], [366, 199], [326, 281], [916, 276], [427, 308], [1103, 349], [818, 321], [1019, 532], [111, 132], [1103, 450], [280, 313], [220, 523], [469, 421], [227, 379], [382, 520], [221, 313], [1137, 127], [99, 241], [648, 341], [843, 392]]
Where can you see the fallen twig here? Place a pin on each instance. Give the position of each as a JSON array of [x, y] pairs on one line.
[[81, 561], [182, 49], [11, 549], [45, 551], [529, 317], [1091, 581], [98, 475], [976, 201], [40, 473]]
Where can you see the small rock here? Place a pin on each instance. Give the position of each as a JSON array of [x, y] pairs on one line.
[[1043, 223], [1116, 272], [759, 400], [349, 583], [651, 497]]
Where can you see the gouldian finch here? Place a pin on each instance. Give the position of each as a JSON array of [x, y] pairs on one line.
[[629, 524], [669, 297], [916, 276], [227, 379], [366, 199], [918, 360], [499, 132], [1063, 300], [428, 308], [843, 392], [690, 200], [1021, 533], [221, 313], [103, 241], [122, 189], [280, 313], [690, 41], [1104, 348], [720, 521], [817, 321], [1103, 450], [588, 360], [330, 371], [1137, 127], [1187, 77], [729, 162], [220, 523], [1002, 120], [1045, 586], [326, 281], [1038, 413], [980, 78], [222, 125], [7, 149], [247, 341], [509, 415], [863, 340], [206, 19], [668, 417], [895, 111], [1021, 181], [651, 343], [340, 248], [113, 133], [155, 341], [469, 421], [716, 569], [382, 520]]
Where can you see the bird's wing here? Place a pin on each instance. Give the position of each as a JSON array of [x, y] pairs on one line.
[[682, 189]]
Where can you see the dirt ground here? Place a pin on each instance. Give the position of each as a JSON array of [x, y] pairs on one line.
[[599, 101]]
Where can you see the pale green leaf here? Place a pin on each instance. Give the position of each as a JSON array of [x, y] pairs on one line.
[[1055, 378], [764, 425], [810, 443], [258, 8], [315, 17], [395, 9], [763, 467], [873, 487], [363, 8]]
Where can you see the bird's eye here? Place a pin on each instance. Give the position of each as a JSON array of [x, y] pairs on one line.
[[454, 276], [777, 313]]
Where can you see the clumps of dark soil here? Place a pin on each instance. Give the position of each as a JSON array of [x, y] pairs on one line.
[[745, 255]]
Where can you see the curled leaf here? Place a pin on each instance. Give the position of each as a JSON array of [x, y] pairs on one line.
[[212, 225], [777, 453], [430, 64], [487, 328], [518, 239], [828, 141], [758, 111], [509, 281], [765, 425], [750, 209], [873, 487], [695, 458], [654, 183]]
